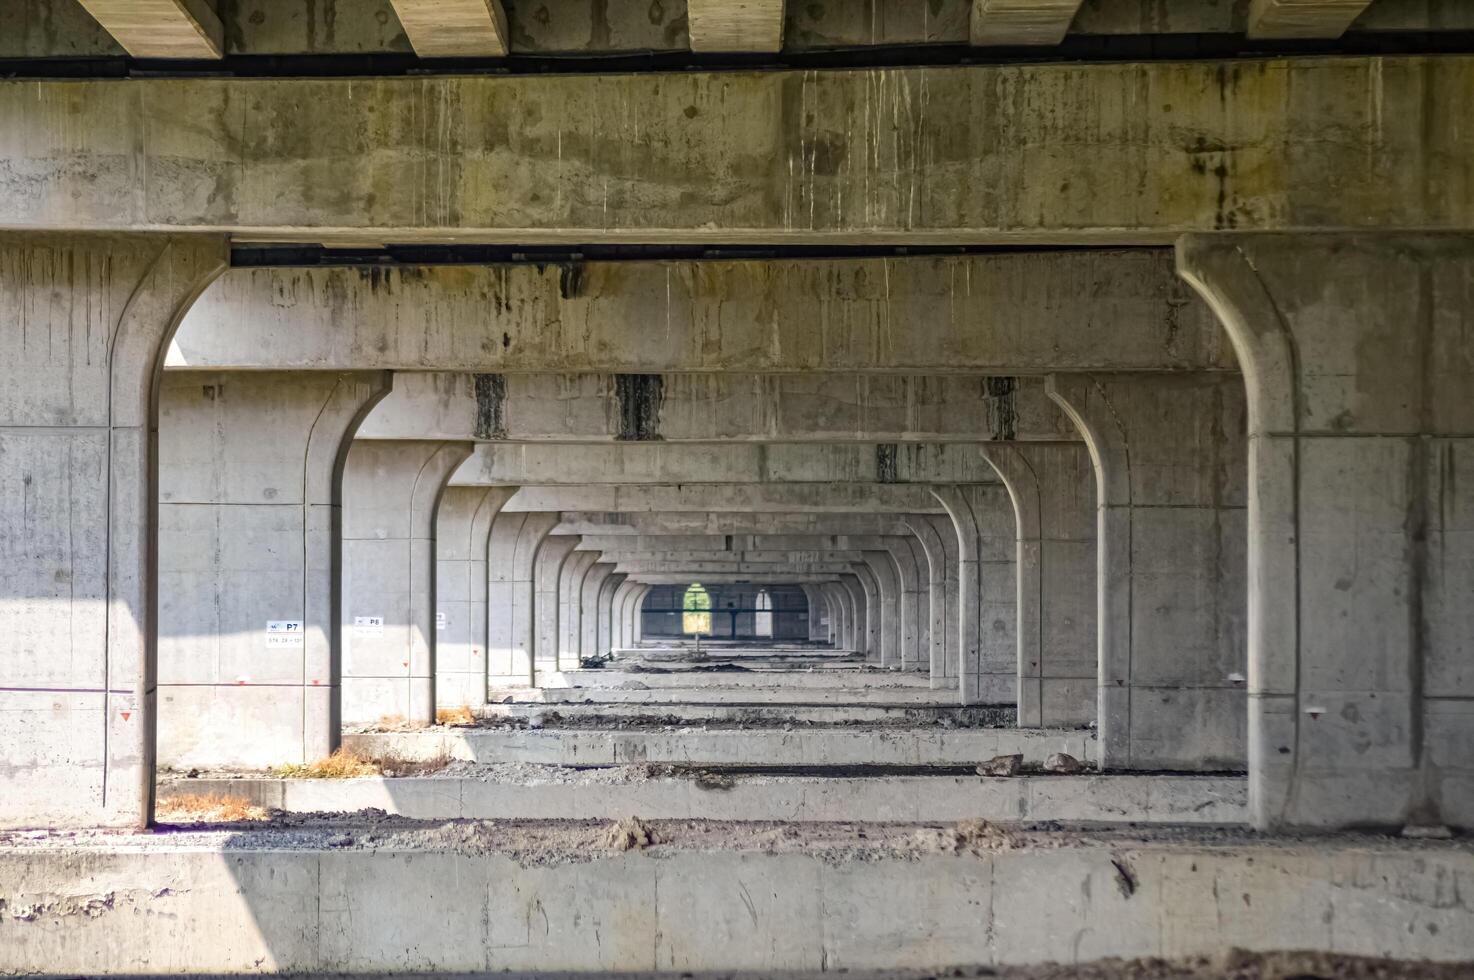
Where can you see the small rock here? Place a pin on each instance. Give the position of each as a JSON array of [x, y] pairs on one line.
[[1063, 762], [1427, 832], [192, 774], [339, 840], [1001, 765]]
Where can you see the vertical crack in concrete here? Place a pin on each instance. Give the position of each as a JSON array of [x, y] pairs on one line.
[[640, 398], [491, 406]]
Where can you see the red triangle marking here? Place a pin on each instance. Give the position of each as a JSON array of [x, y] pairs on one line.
[[126, 714]]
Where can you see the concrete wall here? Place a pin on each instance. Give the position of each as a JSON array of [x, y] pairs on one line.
[[250, 529]]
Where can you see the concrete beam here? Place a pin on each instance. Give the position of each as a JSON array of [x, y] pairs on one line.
[[1303, 18], [454, 28], [735, 578], [1010, 22], [849, 407], [745, 498], [736, 25], [161, 28], [723, 523], [771, 157], [697, 569], [716, 464], [993, 314]]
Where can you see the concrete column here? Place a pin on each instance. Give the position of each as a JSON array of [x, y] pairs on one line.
[[859, 635], [570, 606], [1357, 354], [872, 636], [982, 617], [1053, 492], [83, 322], [620, 611], [605, 606], [1169, 454], [938, 613], [911, 604], [250, 529], [515, 539], [638, 628], [547, 571], [462, 539], [888, 592], [391, 492], [593, 586], [818, 617]]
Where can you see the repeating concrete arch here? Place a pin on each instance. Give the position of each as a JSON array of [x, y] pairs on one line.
[[391, 494], [969, 664], [1051, 487], [882, 568], [593, 587], [913, 604], [462, 539], [604, 604], [872, 635], [249, 541], [570, 605], [511, 559], [548, 565], [940, 623]]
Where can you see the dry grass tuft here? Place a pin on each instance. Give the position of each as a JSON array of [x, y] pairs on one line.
[[455, 716], [347, 764], [211, 808]]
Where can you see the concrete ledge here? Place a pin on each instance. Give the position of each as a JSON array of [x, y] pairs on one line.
[[824, 678], [981, 715], [729, 747], [229, 905], [712, 694], [564, 794]]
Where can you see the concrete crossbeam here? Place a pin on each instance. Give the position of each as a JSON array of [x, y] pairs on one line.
[[1303, 18], [736, 25], [454, 28], [734, 157], [735, 498], [161, 28], [1009, 22]]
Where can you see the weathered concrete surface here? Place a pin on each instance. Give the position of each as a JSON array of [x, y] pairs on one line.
[[822, 712], [993, 314], [1088, 799], [1170, 462], [714, 407], [727, 747], [250, 538], [222, 903], [462, 536], [912, 154], [83, 324], [391, 492], [1358, 355], [511, 597]]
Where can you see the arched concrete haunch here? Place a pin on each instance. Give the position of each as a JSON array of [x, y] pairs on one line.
[[940, 623], [619, 613], [873, 633], [913, 629], [888, 593], [1053, 492], [547, 571], [570, 606], [83, 324], [859, 620], [637, 628], [593, 587], [984, 526], [250, 546], [511, 552], [1169, 456], [1356, 351], [462, 540], [391, 492], [604, 603]]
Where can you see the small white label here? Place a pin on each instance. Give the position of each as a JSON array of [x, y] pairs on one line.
[[368, 625], [284, 633], [440, 621]]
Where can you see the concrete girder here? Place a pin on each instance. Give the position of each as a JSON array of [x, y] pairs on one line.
[[454, 28], [736, 25], [1303, 18], [695, 569], [819, 526], [719, 408], [745, 557], [730, 578], [161, 28], [391, 493], [749, 545], [462, 541], [996, 314], [1009, 22], [250, 563], [742, 498], [1271, 144], [715, 464], [83, 325]]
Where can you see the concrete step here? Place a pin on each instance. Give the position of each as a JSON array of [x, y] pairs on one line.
[[712, 694], [972, 716], [696, 676], [522, 792], [730, 747]]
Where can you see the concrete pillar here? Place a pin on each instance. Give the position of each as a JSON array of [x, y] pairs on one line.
[[83, 322], [462, 538], [888, 592], [818, 618], [859, 635], [570, 606], [547, 571], [938, 612], [1357, 354], [510, 557], [391, 492], [250, 529], [605, 606], [911, 604], [872, 636], [1052, 487], [982, 517], [622, 637], [593, 587], [1169, 454], [638, 629]]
